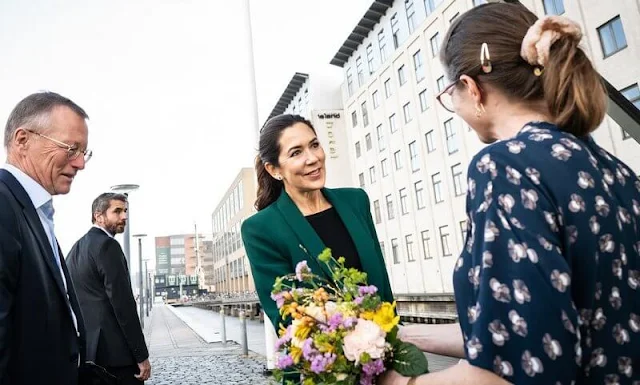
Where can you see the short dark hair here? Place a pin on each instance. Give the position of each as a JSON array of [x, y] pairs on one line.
[[102, 203], [33, 112]]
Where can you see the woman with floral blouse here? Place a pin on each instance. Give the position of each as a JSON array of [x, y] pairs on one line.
[[548, 286]]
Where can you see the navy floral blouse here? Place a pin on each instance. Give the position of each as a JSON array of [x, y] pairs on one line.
[[548, 286]]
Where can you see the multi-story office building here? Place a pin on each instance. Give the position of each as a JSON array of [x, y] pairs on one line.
[[317, 97], [231, 270], [411, 155], [176, 254]]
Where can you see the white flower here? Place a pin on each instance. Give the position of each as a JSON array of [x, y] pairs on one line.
[[367, 337], [316, 312], [330, 307]]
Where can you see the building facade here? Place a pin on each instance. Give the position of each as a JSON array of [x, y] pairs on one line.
[[317, 97], [231, 270], [411, 155], [175, 254]]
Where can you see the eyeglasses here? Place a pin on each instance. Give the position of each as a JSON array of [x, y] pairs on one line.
[[445, 97], [72, 151]]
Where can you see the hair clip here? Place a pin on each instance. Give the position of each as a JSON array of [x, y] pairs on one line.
[[485, 59], [538, 70]]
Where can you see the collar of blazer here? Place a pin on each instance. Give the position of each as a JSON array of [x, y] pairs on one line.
[[33, 220], [311, 242]]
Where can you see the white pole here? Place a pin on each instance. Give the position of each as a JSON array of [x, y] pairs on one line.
[[252, 72], [270, 341]]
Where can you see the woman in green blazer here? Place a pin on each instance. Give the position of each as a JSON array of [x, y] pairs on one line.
[[298, 217]]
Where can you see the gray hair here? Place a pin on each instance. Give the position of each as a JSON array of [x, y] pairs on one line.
[[102, 203], [33, 112]]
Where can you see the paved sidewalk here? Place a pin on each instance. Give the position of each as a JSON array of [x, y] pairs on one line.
[[180, 356]]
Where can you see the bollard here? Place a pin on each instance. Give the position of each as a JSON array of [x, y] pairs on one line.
[[243, 335], [223, 327]]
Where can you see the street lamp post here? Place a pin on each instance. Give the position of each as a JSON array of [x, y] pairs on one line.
[[141, 288], [148, 294], [126, 189]]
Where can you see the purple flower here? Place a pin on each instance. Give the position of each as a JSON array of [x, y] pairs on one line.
[[284, 362], [279, 298], [335, 321], [349, 322], [364, 290], [358, 300], [307, 349], [302, 268], [373, 368], [366, 380], [321, 361]]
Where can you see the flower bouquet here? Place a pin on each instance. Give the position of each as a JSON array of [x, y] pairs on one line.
[[339, 330]]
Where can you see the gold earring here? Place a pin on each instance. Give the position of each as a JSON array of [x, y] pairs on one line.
[[279, 177], [538, 70], [480, 110]]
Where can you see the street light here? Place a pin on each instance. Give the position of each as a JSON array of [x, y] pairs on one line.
[[146, 278], [126, 189], [141, 288]]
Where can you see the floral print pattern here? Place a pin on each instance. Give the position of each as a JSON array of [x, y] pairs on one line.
[[548, 285]]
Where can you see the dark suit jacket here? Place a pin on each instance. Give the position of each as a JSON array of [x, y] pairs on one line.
[[99, 270], [38, 341], [273, 238]]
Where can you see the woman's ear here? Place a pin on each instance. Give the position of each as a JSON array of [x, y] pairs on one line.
[[273, 171], [473, 89]]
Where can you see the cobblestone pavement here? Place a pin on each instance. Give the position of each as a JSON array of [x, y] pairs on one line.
[[179, 356]]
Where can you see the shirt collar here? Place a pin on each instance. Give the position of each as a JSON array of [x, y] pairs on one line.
[[105, 231], [38, 195]]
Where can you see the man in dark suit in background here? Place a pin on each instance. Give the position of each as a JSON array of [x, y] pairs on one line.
[[41, 326], [99, 270]]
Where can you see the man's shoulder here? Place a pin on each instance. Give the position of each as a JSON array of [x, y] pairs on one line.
[[9, 207]]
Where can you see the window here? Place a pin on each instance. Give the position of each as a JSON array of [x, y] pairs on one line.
[[365, 114], [419, 189], [367, 141], [417, 64], [376, 99], [398, 159], [380, 135], [440, 83], [463, 230], [387, 88], [612, 36], [392, 123], [413, 156], [372, 174], [423, 100], [408, 239], [553, 7], [384, 164], [390, 213], [404, 206], [411, 15], [426, 250], [370, 59], [395, 30], [633, 94], [394, 250], [435, 44], [479, 2], [349, 82], [401, 76], [383, 46], [354, 118], [444, 240], [358, 150], [406, 109], [437, 187], [359, 71], [361, 179], [458, 182], [430, 5], [450, 134], [376, 211]]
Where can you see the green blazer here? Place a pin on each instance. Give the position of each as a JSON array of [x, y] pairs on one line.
[[274, 239]]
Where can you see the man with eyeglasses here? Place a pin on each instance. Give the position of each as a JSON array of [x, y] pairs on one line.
[[42, 337]]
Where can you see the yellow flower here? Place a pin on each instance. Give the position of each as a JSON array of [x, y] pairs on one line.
[[296, 354], [386, 317], [302, 327], [368, 315]]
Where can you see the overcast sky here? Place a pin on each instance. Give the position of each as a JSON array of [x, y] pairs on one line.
[[166, 86]]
